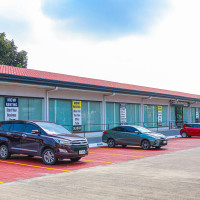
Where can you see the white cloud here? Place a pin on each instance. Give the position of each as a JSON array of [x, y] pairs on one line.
[[168, 57]]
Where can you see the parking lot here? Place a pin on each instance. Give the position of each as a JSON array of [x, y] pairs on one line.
[[20, 167]]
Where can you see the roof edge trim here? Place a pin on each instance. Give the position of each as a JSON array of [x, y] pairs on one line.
[[66, 84]]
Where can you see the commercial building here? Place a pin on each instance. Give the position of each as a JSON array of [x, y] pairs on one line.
[[84, 104]]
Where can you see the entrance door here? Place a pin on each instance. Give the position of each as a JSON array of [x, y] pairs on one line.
[[179, 116]]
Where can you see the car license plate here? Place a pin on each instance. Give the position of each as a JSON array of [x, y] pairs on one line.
[[164, 142], [82, 151]]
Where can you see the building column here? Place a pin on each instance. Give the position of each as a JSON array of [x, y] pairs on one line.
[[104, 108], [47, 103], [104, 113], [169, 115], [45, 107], [142, 112], [189, 114]]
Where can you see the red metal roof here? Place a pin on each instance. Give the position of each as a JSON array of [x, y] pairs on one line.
[[4, 69]]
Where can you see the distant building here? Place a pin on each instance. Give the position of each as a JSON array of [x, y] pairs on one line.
[[84, 104]]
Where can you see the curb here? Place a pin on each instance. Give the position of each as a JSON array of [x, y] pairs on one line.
[[174, 136], [101, 144]]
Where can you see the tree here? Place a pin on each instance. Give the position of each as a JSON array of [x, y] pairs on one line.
[[9, 54]]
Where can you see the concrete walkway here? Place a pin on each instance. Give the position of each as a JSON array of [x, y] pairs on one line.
[[174, 176]]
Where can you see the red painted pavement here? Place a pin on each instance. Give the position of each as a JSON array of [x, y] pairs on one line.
[[20, 167]]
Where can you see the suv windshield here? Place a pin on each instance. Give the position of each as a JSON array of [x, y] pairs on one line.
[[53, 129]]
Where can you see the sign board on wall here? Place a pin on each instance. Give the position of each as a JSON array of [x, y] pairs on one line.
[[11, 108], [197, 113], [160, 115], [76, 112], [123, 113], [181, 103]]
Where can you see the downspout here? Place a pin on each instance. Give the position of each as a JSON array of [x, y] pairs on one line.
[[47, 102], [104, 109]]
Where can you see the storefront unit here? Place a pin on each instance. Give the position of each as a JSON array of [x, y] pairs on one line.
[[83, 104]]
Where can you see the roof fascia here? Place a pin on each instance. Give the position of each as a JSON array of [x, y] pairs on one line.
[[83, 86]]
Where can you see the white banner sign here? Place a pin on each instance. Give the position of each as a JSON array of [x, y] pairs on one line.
[[123, 113], [160, 115], [197, 113], [11, 108], [76, 108]]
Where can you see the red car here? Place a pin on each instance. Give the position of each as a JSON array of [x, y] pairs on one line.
[[190, 129]]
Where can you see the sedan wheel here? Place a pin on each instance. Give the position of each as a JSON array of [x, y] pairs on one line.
[[184, 134], [111, 143], [4, 152], [48, 157], [145, 144]]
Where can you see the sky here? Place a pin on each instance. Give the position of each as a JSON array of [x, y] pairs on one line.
[[153, 43]]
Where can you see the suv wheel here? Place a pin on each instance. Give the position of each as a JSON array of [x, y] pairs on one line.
[[184, 134], [145, 144], [48, 157], [75, 159], [111, 143], [4, 152]]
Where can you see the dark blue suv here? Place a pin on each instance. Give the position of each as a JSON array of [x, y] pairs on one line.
[[38, 138]]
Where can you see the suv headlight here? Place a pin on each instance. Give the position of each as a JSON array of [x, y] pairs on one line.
[[64, 142]]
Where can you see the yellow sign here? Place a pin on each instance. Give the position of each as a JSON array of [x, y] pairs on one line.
[[159, 108], [76, 104]]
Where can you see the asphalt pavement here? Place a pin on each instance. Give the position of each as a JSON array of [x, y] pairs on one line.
[[173, 176]]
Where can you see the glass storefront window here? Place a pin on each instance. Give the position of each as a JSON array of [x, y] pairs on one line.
[[151, 115], [193, 115], [133, 114], [112, 115], [2, 108], [199, 114], [173, 116], [165, 116], [185, 114], [91, 115], [30, 109], [60, 112]]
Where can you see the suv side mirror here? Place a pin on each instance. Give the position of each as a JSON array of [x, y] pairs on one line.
[[37, 132]]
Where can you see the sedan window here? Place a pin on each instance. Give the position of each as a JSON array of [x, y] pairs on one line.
[[130, 129], [143, 130], [119, 128]]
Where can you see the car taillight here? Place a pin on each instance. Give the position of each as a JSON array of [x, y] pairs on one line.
[[104, 132]]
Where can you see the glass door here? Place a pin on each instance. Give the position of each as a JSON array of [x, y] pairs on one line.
[[179, 116]]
